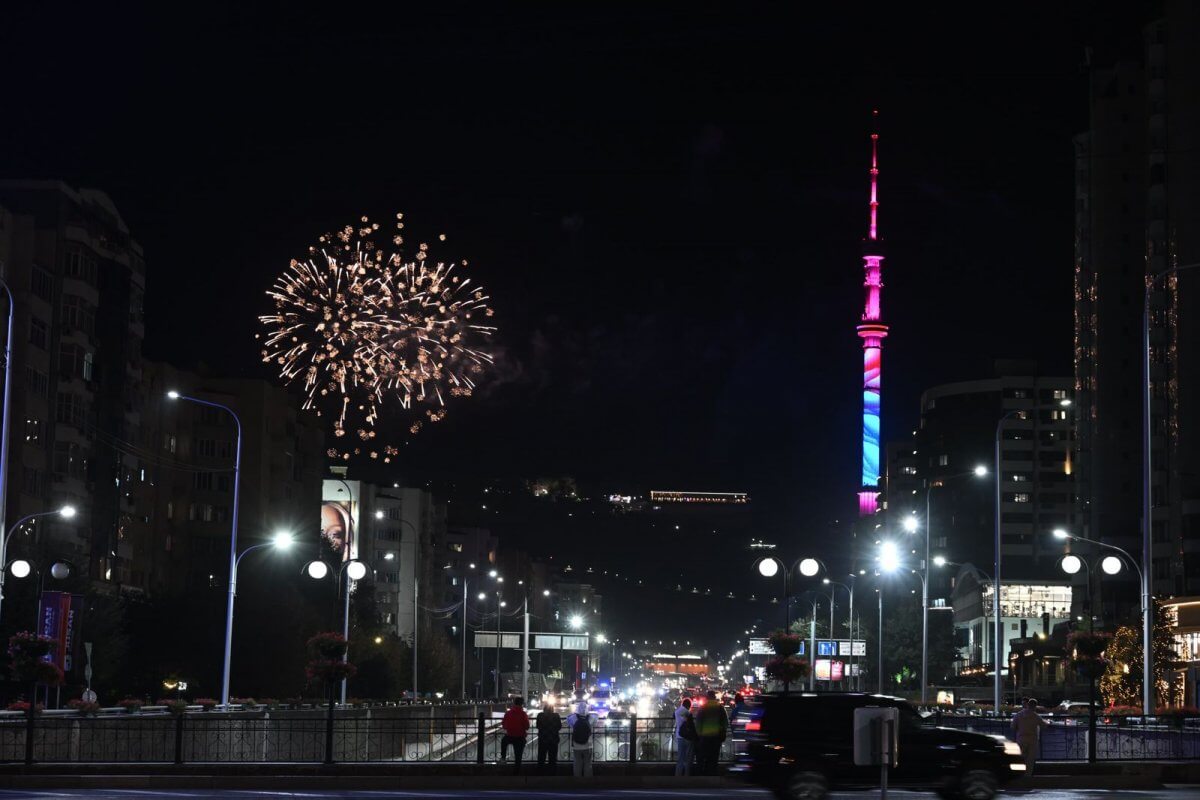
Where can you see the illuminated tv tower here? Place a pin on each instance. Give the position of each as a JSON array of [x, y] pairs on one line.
[[872, 332]]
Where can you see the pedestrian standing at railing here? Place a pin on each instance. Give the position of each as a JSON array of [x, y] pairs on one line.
[[581, 724], [516, 727], [1026, 725], [685, 737], [549, 724], [713, 727]]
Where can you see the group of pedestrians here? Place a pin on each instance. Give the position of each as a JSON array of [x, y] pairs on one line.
[[698, 736], [580, 724]]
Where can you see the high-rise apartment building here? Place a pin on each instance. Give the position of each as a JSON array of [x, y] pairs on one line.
[[1137, 214], [78, 278], [957, 434]]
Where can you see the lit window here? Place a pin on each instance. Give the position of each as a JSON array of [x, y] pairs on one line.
[[1021, 497], [943, 460]]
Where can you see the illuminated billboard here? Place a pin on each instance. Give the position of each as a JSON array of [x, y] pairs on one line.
[[339, 517]]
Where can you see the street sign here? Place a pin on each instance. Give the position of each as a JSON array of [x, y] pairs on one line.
[[760, 647]]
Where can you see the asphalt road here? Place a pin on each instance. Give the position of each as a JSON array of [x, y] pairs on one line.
[[1172, 793]]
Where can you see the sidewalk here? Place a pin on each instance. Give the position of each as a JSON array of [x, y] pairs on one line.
[[384, 777]]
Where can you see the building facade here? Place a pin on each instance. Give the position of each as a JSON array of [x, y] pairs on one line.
[[183, 481], [936, 473], [78, 280], [1137, 213]]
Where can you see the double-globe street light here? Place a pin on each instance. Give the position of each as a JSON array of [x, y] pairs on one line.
[[770, 566], [66, 512], [1147, 521], [1110, 565], [997, 655], [347, 571]]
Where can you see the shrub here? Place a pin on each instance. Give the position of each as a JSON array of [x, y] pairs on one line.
[[23, 706], [784, 643], [247, 703], [174, 705], [206, 703], [132, 705], [270, 703], [27, 651], [328, 646], [788, 669]]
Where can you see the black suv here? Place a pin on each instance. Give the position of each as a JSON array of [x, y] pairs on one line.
[[802, 745]]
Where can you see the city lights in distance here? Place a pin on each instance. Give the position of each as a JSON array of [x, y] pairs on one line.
[[889, 557]]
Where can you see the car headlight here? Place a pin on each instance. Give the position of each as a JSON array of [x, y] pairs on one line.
[[1012, 749]]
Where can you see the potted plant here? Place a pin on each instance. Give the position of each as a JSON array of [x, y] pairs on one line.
[[1086, 653], [786, 666], [174, 705], [270, 703], [132, 705], [23, 706], [84, 708]]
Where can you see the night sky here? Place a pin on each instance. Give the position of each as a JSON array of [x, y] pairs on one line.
[[667, 206]]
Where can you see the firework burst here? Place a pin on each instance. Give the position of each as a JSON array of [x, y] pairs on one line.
[[363, 329]]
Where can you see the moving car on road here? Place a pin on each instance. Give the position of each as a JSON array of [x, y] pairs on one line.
[[801, 746]]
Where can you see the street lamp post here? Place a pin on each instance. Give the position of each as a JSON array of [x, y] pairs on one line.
[[999, 628], [232, 590], [979, 472], [1147, 522], [280, 541], [66, 512], [850, 621], [6, 424]]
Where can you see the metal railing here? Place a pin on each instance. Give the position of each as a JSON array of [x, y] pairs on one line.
[[370, 736], [1118, 738]]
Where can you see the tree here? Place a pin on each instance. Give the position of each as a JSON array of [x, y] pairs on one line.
[[1121, 683]]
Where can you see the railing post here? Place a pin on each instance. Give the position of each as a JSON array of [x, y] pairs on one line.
[[29, 724], [479, 740], [633, 738], [179, 737], [329, 725]]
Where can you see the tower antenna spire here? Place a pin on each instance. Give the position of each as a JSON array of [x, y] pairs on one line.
[[872, 331], [873, 234]]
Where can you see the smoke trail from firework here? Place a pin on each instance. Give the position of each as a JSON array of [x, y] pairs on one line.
[[366, 332]]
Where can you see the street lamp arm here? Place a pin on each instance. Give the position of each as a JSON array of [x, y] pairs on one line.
[[1132, 561], [21, 522]]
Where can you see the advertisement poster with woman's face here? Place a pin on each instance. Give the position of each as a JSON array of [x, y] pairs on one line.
[[337, 528]]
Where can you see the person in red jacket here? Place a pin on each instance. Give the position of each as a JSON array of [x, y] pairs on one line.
[[516, 727]]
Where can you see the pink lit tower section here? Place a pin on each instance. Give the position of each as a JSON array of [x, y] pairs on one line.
[[872, 332]]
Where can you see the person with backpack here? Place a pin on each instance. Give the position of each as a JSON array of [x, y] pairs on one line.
[[713, 727], [581, 725], [549, 723], [516, 727], [685, 738]]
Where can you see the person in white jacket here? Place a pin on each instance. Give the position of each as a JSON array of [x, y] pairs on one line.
[[581, 739]]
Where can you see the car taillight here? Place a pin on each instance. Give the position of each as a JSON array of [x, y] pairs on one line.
[[754, 725]]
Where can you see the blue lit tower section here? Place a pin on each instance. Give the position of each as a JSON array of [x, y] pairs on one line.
[[872, 332]]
